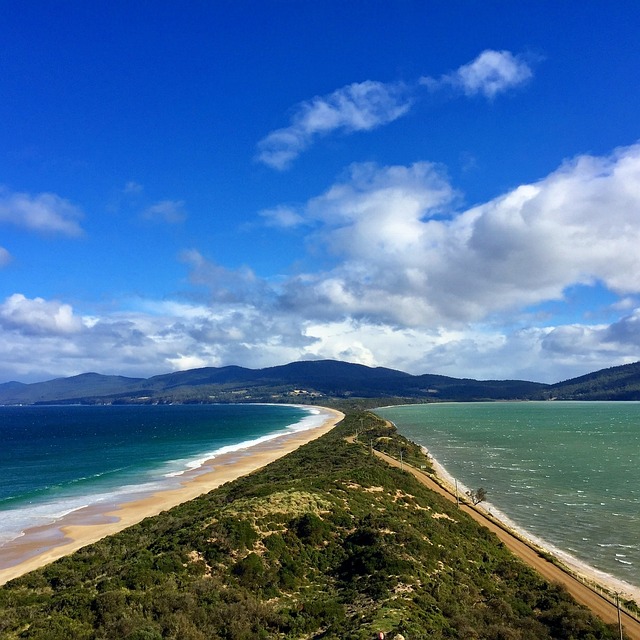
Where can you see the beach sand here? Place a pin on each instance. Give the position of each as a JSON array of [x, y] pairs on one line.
[[41, 545]]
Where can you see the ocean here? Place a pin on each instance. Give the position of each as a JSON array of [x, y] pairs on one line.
[[55, 460], [567, 474]]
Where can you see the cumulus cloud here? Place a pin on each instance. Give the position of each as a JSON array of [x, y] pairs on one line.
[[44, 213], [37, 316], [359, 106], [491, 73], [414, 280], [585, 348], [404, 255], [625, 333], [5, 257], [169, 211]]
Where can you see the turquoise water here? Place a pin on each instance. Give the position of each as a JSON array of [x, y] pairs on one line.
[[57, 459], [567, 473]]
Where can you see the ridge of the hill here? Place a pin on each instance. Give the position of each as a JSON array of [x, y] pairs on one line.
[[309, 381]]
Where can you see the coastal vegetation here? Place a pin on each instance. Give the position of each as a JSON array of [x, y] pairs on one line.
[[477, 495], [328, 542]]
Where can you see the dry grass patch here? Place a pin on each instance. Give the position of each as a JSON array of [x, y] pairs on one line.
[[292, 503], [440, 516]]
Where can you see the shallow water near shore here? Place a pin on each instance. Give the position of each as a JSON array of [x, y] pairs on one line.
[[565, 473], [55, 460]]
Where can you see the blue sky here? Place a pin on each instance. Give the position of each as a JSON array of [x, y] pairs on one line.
[[436, 187]]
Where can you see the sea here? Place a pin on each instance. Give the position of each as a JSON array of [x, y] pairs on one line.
[[566, 474], [55, 460]]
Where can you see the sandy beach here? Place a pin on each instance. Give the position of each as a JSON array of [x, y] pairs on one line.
[[41, 545]]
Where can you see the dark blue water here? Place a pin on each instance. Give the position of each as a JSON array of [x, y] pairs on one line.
[[56, 459]]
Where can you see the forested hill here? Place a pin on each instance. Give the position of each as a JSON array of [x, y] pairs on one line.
[[615, 383], [310, 381], [298, 381], [326, 543]]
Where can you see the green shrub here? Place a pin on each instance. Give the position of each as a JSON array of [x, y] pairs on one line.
[[250, 571], [310, 529]]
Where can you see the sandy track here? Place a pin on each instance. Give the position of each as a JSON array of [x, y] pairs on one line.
[[599, 605]]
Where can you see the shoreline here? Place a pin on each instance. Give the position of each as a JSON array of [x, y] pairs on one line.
[[39, 546], [572, 565]]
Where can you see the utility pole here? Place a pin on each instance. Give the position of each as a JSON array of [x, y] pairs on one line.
[[619, 617], [401, 463], [457, 496]]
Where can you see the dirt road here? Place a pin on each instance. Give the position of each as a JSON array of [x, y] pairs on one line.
[[599, 605]]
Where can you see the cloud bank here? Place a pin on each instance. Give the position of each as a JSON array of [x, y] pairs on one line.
[[413, 282], [404, 256]]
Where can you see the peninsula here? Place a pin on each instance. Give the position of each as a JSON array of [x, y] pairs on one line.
[[326, 542]]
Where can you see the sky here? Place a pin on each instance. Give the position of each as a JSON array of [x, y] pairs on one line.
[[435, 187]]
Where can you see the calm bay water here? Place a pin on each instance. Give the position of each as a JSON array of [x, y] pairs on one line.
[[57, 459], [566, 472]]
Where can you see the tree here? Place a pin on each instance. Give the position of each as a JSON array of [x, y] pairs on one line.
[[477, 496]]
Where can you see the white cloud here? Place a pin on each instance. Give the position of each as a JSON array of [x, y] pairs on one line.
[[5, 257], [37, 316], [226, 285], [132, 188], [282, 216], [364, 106], [625, 333], [491, 73], [151, 337], [356, 107], [169, 211], [161, 336], [45, 212], [404, 256], [414, 283], [184, 362]]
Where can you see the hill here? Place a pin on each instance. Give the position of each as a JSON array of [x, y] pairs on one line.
[[300, 381], [328, 542], [309, 381], [614, 383]]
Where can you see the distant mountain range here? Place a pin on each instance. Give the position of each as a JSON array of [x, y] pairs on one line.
[[310, 381]]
